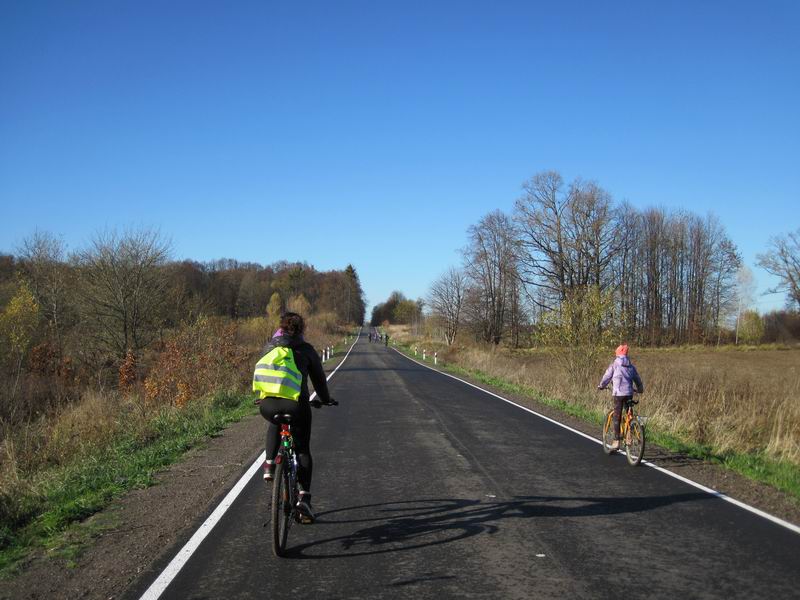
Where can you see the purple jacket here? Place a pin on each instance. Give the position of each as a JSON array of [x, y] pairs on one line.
[[624, 376]]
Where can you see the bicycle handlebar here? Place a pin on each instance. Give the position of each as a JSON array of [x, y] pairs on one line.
[[317, 403]]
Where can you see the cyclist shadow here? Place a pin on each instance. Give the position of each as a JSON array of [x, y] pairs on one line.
[[414, 524]]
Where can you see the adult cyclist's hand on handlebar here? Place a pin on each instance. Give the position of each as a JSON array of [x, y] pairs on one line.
[[317, 403]]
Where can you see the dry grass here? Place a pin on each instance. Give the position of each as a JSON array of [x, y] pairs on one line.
[[74, 431], [30, 452], [744, 401], [729, 400]]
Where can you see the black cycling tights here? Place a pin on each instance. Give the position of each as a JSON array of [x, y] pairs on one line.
[[301, 432]]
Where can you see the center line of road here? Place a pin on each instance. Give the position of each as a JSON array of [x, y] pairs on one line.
[[699, 486], [184, 554]]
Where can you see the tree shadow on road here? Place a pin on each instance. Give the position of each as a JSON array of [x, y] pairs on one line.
[[414, 524]]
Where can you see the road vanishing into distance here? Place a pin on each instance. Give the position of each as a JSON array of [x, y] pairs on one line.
[[426, 487]]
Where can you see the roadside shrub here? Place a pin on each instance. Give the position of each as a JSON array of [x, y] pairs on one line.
[[255, 331], [323, 324], [196, 360], [579, 332], [226, 398], [127, 371]]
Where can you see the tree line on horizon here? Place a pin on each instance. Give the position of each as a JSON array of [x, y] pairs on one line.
[[569, 265], [397, 309], [70, 320]]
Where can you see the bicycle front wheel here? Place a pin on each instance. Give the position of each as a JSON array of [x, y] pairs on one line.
[[634, 447], [608, 432], [281, 509]]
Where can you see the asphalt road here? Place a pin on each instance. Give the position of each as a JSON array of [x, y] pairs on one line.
[[426, 487]]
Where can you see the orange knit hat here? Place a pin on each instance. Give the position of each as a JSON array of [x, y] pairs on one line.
[[622, 350]]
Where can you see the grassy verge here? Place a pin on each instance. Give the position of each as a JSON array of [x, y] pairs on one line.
[[67, 495], [782, 475]]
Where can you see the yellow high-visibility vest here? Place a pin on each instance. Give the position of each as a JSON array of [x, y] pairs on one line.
[[277, 375]]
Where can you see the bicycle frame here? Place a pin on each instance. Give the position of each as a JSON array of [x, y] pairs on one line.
[[286, 453], [631, 434], [625, 426]]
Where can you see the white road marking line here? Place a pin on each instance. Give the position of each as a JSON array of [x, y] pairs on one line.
[[708, 490], [184, 554]]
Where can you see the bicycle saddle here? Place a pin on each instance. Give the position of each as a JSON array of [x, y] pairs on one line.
[[281, 418]]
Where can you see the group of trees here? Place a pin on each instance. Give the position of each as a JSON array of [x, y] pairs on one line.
[[79, 314], [397, 309], [654, 276]]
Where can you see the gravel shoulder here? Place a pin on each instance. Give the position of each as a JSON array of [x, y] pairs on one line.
[[138, 533]]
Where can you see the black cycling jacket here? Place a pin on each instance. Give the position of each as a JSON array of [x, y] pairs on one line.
[[309, 363]]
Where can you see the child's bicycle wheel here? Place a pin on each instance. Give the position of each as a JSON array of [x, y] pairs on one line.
[[608, 432], [634, 443], [281, 512]]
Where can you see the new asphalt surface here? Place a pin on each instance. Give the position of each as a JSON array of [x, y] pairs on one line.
[[426, 487]]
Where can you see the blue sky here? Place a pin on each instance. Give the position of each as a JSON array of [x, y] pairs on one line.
[[375, 133]]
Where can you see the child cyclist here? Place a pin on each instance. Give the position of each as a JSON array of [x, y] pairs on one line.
[[625, 381]]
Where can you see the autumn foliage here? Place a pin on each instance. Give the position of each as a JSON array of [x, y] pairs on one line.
[[195, 361], [127, 371]]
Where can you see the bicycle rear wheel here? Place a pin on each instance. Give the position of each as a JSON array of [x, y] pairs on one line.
[[281, 512], [608, 432], [634, 448]]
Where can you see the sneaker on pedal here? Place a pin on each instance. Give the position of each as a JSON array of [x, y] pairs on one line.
[[269, 470], [305, 514], [614, 445]]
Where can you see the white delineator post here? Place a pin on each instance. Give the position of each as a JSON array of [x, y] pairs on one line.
[[423, 353], [436, 358]]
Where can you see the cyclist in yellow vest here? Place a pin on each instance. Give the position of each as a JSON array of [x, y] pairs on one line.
[[281, 380]]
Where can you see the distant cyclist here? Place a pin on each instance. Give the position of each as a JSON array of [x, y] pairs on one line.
[[386, 339], [625, 381], [281, 379]]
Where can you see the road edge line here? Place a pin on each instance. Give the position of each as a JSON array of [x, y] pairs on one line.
[[185, 553], [757, 511]]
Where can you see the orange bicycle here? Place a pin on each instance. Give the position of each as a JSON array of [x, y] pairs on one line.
[[631, 433]]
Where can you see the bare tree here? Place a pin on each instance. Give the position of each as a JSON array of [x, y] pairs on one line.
[[516, 314], [567, 238], [446, 299], [745, 295], [783, 261], [491, 259], [42, 259], [122, 286], [540, 218], [727, 263]]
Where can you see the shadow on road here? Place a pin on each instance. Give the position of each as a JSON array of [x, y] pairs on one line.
[[414, 524]]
